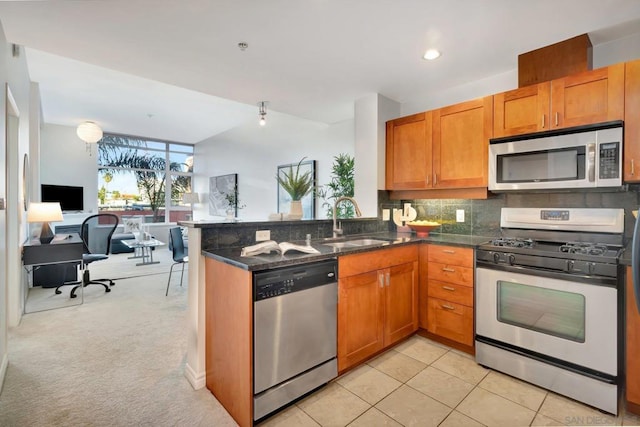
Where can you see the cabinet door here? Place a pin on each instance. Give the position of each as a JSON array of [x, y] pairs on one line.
[[632, 122], [408, 155], [521, 111], [401, 302], [633, 345], [461, 143], [360, 318], [589, 97]]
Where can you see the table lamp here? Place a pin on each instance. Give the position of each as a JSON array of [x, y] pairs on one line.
[[44, 213]]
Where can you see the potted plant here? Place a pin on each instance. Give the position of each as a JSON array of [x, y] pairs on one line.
[[233, 202], [342, 184], [297, 185]]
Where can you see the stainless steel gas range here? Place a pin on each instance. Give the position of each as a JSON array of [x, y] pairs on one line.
[[547, 301]]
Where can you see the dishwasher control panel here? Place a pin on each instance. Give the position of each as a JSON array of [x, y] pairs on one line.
[[285, 280]]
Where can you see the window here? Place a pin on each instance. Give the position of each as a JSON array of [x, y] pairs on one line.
[[143, 177]]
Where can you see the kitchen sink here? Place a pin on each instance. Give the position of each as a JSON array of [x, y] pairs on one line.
[[355, 243]]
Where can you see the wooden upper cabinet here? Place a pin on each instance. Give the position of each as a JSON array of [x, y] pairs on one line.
[[520, 111], [631, 168], [589, 97], [408, 164], [461, 136], [585, 98]]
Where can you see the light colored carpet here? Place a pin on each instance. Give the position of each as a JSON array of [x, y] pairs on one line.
[[118, 359]]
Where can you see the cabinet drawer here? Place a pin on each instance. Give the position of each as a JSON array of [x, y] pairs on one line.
[[450, 320], [450, 274], [451, 255], [451, 292]]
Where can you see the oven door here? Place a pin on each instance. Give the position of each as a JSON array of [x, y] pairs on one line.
[[569, 321]]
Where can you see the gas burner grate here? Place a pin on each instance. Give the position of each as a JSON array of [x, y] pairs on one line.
[[584, 248], [512, 242]]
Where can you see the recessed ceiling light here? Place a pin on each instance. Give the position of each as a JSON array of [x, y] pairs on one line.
[[431, 54]]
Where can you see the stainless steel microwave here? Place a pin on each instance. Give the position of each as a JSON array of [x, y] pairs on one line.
[[583, 157]]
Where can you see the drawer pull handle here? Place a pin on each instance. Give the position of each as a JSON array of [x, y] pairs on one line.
[[450, 270], [381, 279], [448, 288], [387, 278], [447, 307], [448, 251]]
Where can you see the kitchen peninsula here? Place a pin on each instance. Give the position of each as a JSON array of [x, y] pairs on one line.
[[221, 295]]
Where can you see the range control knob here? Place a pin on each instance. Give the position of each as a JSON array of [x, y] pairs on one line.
[[496, 257], [570, 265], [512, 259]]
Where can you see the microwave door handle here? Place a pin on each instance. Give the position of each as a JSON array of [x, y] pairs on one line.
[[591, 162]]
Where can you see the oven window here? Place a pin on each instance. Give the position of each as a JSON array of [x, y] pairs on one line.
[[548, 311], [566, 164]]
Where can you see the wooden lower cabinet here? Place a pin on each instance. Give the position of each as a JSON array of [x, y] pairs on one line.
[[632, 335], [377, 302], [448, 282]]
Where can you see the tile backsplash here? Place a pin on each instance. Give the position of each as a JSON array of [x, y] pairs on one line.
[[482, 217]]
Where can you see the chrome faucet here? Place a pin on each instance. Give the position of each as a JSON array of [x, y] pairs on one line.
[[337, 228]]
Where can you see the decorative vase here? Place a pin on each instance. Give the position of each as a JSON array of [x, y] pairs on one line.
[[295, 210], [231, 214]]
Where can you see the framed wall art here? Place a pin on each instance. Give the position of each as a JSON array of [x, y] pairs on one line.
[[219, 188]]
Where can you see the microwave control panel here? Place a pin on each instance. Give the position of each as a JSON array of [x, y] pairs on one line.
[[609, 160]]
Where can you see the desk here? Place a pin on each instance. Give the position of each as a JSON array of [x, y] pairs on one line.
[[63, 249], [142, 249]]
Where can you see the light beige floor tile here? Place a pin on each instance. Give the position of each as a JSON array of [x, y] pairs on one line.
[[510, 388], [541, 420], [570, 412], [290, 417], [421, 349], [333, 406], [412, 408], [441, 386], [461, 367], [629, 419], [368, 383], [374, 418], [493, 410], [397, 365], [456, 419]]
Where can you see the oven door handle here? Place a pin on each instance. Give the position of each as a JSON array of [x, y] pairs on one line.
[[591, 162]]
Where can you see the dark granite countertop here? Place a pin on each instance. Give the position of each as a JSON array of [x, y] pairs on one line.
[[267, 261]]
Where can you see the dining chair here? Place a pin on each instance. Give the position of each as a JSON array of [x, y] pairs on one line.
[[179, 253]]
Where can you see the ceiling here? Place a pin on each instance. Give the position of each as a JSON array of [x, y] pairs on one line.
[[172, 69]]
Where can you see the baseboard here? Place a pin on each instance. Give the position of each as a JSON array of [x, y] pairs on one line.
[[3, 369], [196, 380]]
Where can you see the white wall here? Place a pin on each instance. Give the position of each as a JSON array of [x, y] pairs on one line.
[[255, 152], [13, 70], [64, 160], [371, 114]]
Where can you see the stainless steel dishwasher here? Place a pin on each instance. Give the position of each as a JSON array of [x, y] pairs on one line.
[[295, 332]]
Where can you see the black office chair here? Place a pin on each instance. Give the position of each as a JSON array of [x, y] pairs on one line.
[[179, 253], [96, 232]]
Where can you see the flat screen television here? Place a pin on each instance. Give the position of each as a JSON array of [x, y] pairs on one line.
[[71, 198]]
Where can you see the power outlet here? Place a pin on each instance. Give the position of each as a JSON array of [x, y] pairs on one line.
[[262, 235], [459, 215]]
